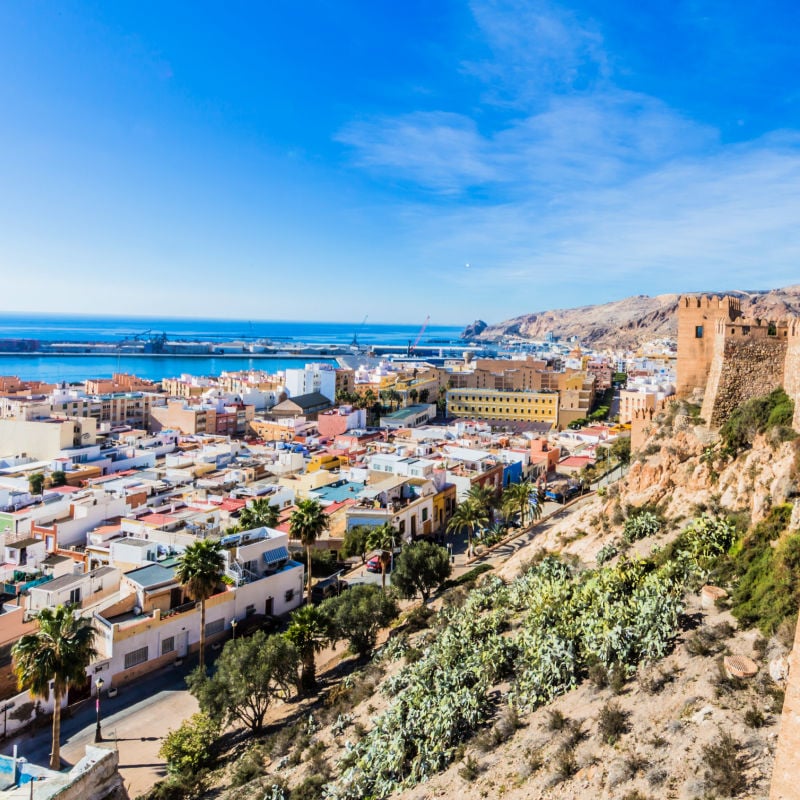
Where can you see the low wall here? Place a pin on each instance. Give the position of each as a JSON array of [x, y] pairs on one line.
[[786, 771]]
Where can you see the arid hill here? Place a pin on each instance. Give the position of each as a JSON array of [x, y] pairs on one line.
[[632, 321]]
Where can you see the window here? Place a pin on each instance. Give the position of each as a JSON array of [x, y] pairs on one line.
[[217, 626], [249, 611], [698, 332], [75, 595], [424, 514], [167, 645], [135, 657], [289, 596]]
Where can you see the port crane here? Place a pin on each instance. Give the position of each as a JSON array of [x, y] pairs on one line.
[[413, 347], [354, 344]]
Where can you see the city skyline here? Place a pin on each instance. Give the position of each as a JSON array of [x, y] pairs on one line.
[[302, 162]]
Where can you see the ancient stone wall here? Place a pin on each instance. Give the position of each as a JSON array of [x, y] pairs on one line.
[[748, 361]]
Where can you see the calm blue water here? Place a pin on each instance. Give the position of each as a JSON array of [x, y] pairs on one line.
[[53, 369], [74, 328]]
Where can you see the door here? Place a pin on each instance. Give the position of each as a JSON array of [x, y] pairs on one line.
[[268, 607], [183, 644]]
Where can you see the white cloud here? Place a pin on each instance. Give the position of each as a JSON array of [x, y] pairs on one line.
[[725, 221], [438, 150], [538, 47], [583, 185]]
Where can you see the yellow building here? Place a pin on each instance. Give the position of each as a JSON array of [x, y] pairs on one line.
[[494, 404]]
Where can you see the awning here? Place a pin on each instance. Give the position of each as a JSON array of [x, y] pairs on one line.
[[279, 554]]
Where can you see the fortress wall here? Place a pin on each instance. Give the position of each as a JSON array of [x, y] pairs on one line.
[[791, 376], [747, 362], [786, 770]]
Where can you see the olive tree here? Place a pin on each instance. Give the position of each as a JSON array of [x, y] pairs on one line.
[[420, 568]]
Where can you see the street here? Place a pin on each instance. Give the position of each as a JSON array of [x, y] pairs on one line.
[[135, 721]]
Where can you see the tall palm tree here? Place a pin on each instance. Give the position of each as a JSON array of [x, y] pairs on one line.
[[519, 497], [468, 516], [383, 538], [199, 570], [306, 523], [484, 496], [310, 629], [59, 652], [260, 513]]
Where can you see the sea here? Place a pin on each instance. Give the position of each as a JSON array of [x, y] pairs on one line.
[[80, 328]]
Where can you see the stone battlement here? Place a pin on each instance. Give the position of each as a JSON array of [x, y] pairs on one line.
[[753, 327], [711, 302]]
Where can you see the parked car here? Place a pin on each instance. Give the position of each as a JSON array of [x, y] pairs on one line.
[[374, 564], [325, 589]]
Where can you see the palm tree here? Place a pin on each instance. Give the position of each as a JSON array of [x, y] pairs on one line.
[[260, 513], [517, 499], [199, 570], [484, 496], [468, 516], [383, 538], [309, 631], [59, 652], [306, 523]]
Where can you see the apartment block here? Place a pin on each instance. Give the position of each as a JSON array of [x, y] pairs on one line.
[[493, 404]]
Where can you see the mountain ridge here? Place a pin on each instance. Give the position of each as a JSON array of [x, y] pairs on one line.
[[631, 321]]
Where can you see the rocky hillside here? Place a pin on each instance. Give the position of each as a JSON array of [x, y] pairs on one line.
[[563, 682], [629, 322]]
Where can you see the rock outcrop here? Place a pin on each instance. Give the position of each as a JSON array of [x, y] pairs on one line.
[[474, 330]]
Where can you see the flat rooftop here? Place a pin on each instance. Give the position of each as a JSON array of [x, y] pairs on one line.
[[339, 491]]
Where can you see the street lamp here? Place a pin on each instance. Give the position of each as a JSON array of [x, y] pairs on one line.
[[6, 708], [234, 623], [98, 736]]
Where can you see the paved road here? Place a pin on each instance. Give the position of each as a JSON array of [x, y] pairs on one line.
[[135, 721]]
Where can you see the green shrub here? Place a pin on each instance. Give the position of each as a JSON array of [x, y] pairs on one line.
[[612, 723], [774, 410], [190, 747], [641, 524], [768, 589], [470, 769], [249, 767], [753, 718], [723, 766], [468, 577], [606, 553]]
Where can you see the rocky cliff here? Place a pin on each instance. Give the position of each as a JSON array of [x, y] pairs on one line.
[[634, 320]]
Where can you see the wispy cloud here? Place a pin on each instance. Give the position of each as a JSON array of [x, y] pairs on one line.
[[538, 48], [439, 150], [583, 186], [574, 142], [725, 221]]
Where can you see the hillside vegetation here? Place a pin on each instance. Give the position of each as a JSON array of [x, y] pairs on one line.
[[587, 667]]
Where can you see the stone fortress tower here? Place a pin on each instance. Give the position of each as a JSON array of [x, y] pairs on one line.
[[735, 358], [697, 322]]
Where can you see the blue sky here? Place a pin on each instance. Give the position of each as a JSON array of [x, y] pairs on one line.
[[326, 159]]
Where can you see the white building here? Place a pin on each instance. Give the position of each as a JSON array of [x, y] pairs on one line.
[[83, 589], [312, 378], [154, 622]]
